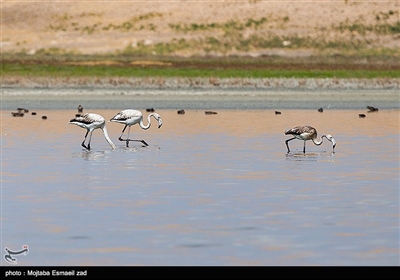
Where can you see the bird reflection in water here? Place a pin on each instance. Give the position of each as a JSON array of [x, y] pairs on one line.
[[94, 155], [311, 156]]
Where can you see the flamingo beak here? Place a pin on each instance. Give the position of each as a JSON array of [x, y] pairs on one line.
[[333, 143]]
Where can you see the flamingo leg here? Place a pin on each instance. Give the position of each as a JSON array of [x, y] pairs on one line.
[[142, 141], [136, 140], [90, 139], [304, 147], [84, 139], [122, 133], [128, 140], [287, 145]]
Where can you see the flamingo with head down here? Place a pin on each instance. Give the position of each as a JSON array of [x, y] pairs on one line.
[[90, 122], [305, 133], [131, 117]]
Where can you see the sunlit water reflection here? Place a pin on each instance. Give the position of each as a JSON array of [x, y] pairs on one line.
[[209, 190]]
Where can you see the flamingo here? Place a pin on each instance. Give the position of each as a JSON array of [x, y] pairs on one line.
[[306, 132], [130, 117], [90, 122]]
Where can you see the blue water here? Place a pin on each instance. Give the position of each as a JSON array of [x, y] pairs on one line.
[[208, 190]]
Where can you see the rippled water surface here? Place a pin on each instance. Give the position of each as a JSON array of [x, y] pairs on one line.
[[208, 190]]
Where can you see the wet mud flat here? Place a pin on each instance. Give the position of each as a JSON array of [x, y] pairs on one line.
[[123, 97]]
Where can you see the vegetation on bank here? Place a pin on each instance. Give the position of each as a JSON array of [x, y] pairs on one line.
[[366, 35], [347, 56], [361, 36], [348, 49], [69, 65]]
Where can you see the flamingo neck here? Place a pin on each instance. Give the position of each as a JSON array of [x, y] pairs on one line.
[[318, 143], [108, 138], [148, 122]]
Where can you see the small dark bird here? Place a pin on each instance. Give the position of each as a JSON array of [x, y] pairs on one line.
[[181, 112], [210, 113], [277, 113], [22, 110], [78, 115], [80, 109], [372, 109], [33, 113], [320, 110], [150, 110], [17, 114], [44, 117], [361, 115]]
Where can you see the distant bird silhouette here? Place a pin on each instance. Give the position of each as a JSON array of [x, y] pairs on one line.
[[17, 114], [22, 110], [305, 133], [80, 109], [131, 117], [90, 122], [372, 109]]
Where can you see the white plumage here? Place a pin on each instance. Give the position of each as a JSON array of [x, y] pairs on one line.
[[90, 122], [131, 117], [305, 133]]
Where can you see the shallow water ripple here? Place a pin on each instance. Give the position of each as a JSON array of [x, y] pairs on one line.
[[207, 191]]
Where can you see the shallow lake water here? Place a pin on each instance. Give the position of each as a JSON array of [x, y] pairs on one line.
[[208, 190]]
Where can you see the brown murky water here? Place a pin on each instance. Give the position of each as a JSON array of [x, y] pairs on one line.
[[209, 190]]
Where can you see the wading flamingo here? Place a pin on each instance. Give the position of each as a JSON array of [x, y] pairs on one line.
[[90, 122], [130, 117], [306, 132]]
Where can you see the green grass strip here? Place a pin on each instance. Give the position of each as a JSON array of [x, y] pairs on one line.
[[43, 70]]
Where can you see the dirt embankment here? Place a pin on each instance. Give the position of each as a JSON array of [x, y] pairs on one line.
[[285, 28], [186, 28]]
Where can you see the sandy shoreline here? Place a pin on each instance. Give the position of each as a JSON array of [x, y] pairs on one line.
[[201, 83], [242, 98]]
